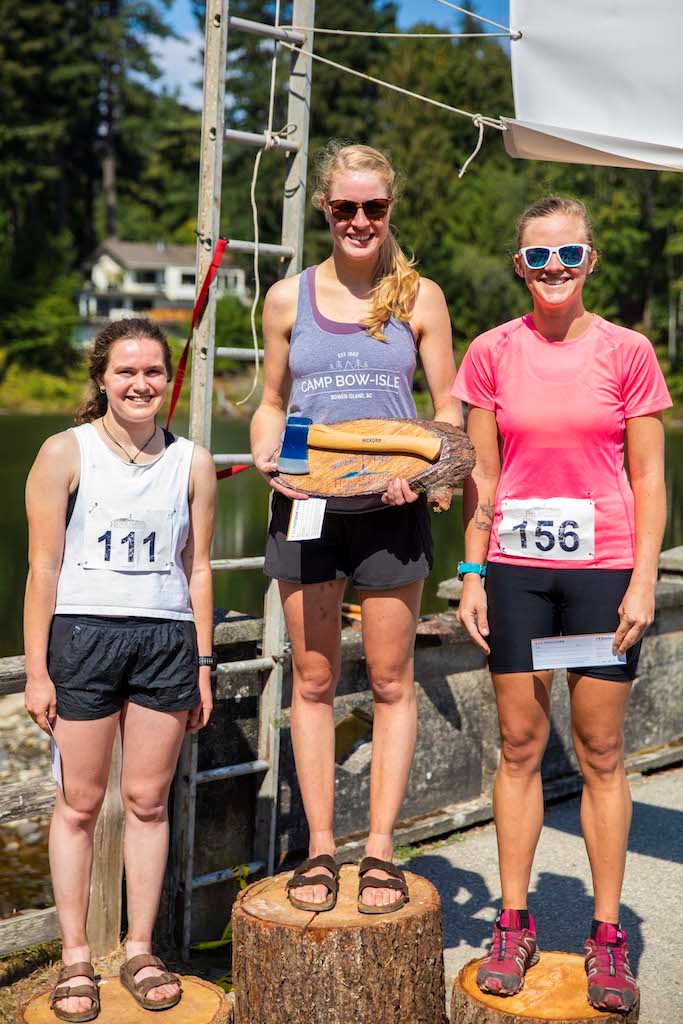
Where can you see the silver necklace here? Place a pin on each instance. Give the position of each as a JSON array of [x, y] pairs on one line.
[[139, 452]]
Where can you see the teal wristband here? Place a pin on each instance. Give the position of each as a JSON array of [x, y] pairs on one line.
[[464, 567]]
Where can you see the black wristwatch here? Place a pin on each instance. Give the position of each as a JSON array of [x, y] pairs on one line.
[[208, 659]]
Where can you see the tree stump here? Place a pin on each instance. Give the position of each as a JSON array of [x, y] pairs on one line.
[[554, 990], [202, 1003], [338, 967]]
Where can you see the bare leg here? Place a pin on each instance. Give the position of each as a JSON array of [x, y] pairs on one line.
[[86, 755], [389, 620], [151, 744], [598, 710], [523, 700], [313, 616]]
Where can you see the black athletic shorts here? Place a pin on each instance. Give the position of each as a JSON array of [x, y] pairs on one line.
[[97, 662], [525, 603], [386, 548]]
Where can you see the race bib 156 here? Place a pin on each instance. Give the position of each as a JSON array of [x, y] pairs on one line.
[[560, 529], [129, 541]]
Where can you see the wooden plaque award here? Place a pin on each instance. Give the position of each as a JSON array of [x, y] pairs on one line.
[[354, 481]]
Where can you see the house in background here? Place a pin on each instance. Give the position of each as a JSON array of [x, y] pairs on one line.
[[151, 278]]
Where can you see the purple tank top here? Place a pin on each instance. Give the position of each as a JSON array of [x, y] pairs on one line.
[[339, 372]]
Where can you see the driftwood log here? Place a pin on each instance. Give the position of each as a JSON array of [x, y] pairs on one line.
[[554, 990], [345, 477], [201, 1003], [339, 967]]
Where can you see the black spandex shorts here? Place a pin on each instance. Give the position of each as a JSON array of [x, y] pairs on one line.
[[525, 603], [379, 550], [97, 662]]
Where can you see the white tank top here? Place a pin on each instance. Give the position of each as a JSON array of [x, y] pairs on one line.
[[129, 525]]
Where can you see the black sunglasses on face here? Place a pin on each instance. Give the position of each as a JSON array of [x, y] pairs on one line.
[[346, 209]]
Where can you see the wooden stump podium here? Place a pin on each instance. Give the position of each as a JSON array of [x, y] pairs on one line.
[[338, 967], [554, 990], [201, 1003]]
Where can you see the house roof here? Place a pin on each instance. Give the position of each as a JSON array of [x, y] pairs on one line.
[[149, 255]]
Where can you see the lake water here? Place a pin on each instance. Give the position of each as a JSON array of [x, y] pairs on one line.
[[240, 523]]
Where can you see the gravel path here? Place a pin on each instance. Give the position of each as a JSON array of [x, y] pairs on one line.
[[466, 874]]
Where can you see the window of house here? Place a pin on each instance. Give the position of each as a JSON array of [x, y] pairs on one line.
[[146, 276], [187, 278]]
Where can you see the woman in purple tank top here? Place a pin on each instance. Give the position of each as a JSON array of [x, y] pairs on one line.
[[341, 341]]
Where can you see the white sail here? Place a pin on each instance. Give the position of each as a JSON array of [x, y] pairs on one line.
[[598, 81]]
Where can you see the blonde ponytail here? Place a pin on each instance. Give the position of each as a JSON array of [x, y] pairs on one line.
[[396, 289], [396, 279]]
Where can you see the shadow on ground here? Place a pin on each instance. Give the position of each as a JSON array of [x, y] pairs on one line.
[[655, 831], [562, 908]]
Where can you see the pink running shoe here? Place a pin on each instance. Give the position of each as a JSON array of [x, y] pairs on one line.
[[611, 986], [513, 952]]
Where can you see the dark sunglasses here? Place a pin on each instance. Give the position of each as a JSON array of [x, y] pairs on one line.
[[346, 209], [537, 257]]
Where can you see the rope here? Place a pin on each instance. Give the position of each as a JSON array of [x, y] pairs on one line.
[[478, 121], [478, 17], [489, 122], [404, 35], [270, 136]]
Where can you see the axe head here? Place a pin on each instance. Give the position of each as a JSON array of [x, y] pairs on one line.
[[293, 457]]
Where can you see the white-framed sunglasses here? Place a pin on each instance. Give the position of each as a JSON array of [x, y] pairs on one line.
[[537, 257]]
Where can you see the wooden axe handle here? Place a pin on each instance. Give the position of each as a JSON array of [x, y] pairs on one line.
[[330, 439]]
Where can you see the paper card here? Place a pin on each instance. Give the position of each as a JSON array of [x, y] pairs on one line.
[[55, 759], [306, 519], [581, 651]]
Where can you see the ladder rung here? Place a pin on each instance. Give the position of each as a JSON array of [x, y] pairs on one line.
[[265, 248], [256, 28], [225, 875], [232, 771], [239, 668], [247, 354], [241, 459], [233, 564], [260, 140]]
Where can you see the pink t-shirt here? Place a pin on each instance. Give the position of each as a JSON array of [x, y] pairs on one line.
[[563, 499]]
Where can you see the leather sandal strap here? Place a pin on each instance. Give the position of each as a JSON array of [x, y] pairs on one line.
[[146, 984], [375, 864], [324, 860], [383, 883], [299, 882], [83, 969], [136, 963], [64, 992]]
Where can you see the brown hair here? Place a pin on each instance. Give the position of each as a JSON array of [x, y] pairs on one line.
[[396, 279], [137, 328], [556, 204]]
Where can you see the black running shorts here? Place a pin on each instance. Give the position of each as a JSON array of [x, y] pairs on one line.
[[386, 548], [525, 603], [98, 662]]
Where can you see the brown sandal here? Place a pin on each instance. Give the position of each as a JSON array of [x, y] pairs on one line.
[[139, 989], [397, 881], [89, 990], [298, 881]]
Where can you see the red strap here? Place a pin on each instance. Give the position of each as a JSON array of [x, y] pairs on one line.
[[230, 471], [197, 314]]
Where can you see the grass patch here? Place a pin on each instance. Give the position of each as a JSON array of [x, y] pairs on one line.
[[418, 849]]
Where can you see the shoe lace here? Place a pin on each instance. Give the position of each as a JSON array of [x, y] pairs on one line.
[[502, 937], [611, 958]]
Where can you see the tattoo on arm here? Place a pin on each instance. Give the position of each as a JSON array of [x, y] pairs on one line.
[[483, 516]]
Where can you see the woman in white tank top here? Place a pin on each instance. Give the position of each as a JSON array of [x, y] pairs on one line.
[[118, 635]]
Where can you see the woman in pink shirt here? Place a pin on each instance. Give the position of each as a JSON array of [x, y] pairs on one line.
[[571, 548]]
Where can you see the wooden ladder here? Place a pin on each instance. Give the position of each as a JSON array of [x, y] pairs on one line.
[[183, 881]]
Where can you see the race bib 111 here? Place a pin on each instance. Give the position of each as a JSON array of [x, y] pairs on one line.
[[128, 541], [554, 529]]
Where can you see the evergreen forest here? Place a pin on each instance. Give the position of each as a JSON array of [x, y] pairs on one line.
[[89, 147]]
